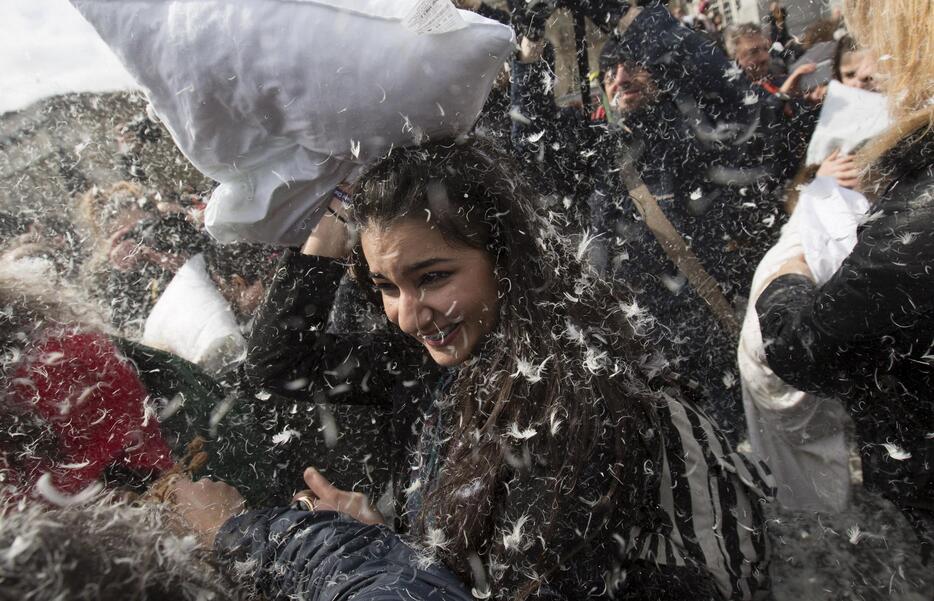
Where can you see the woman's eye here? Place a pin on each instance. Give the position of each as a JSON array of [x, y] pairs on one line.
[[383, 287], [432, 277]]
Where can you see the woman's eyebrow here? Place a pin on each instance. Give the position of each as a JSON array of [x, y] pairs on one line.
[[413, 267], [423, 264]]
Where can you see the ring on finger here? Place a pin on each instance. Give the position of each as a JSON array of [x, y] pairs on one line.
[[306, 500]]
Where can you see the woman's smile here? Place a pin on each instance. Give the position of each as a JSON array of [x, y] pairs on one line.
[[444, 337]]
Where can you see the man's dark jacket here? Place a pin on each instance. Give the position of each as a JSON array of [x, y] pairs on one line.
[[713, 150]]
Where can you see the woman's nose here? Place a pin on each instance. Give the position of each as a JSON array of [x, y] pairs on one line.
[[414, 315]]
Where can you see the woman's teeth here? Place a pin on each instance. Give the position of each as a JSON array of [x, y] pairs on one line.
[[442, 334]]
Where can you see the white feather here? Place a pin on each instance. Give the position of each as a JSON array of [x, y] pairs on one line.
[[56, 497], [896, 452]]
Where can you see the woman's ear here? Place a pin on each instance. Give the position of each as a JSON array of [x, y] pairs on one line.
[[359, 273]]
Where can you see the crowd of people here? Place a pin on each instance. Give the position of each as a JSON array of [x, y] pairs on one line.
[[598, 336]]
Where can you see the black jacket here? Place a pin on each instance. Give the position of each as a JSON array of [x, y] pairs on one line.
[[322, 556], [375, 381], [713, 149], [867, 334], [293, 355], [285, 553]]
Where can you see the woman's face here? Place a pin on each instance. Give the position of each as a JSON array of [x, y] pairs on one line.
[[858, 70], [444, 296]]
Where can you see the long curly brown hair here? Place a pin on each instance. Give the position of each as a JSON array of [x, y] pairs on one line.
[[564, 374]]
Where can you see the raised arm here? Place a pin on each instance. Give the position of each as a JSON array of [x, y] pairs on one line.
[[290, 352], [882, 288], [555, 144]]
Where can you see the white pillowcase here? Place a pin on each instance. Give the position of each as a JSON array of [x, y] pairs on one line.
[[193, 320], [282, 100], [848, 117]]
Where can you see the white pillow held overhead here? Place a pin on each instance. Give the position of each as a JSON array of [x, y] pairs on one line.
[[282, 100]]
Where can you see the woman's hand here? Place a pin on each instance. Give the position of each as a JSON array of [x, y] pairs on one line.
[[331, 236], [842, 168], [531, 51], [325, 496], [204, 505]]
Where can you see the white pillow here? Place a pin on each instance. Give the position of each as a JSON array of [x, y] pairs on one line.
[[829, 216], [848, 117], [193, 320], [282, 100]]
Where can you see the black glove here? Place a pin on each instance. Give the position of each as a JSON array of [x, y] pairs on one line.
[[529, 18], [605, 14]]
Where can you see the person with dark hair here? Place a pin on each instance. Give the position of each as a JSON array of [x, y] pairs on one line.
[[855, 66], [76, 420], [551, 455]]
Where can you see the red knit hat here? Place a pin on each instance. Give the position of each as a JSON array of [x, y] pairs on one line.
[[95, 404]]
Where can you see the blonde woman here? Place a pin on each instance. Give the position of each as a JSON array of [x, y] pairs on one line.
[[866, 335]]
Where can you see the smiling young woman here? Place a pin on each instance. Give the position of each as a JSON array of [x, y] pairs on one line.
[[552, 455], [442, 294]]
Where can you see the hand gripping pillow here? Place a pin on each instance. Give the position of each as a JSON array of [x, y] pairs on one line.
[[282, 100]]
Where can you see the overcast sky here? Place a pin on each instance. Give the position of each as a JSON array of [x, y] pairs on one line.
[[47, 48]]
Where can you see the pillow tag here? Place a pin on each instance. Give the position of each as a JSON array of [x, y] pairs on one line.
[[433, 16]]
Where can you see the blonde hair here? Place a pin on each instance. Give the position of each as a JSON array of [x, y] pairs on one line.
[[901, 33]]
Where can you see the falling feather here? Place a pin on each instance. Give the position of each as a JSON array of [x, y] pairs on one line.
[[46, 488], [896, 452]]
